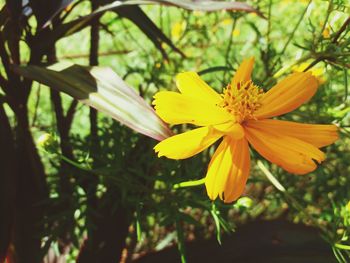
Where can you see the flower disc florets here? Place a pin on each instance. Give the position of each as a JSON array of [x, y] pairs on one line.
[[242, 100]]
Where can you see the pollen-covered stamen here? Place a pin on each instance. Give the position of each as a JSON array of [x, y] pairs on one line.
[[242, 100]]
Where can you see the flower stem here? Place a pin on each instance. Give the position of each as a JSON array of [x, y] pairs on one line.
[[189, 183]]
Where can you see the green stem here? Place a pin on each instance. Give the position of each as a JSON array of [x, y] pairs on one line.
[[64, 158], [345, 85], [228, 50], [269, 25], [341, 246], [180, 240], [293, 32], [271, 178], [329, 11], [189, 183]]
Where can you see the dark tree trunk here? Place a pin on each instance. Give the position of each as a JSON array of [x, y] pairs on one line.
[[30, 181], [107, 239], [8, 177], [31, 192]]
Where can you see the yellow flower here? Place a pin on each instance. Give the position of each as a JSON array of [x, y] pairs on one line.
[[236, 33], [178, 29], [242, 114], [227, 21], [326, 33]]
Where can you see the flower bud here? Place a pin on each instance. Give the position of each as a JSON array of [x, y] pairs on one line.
[[48, 143]]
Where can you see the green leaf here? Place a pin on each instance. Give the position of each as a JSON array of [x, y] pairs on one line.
[[78, 24], [180, 240], [214, 213], [146, 25], [342, 246], [102, 89]]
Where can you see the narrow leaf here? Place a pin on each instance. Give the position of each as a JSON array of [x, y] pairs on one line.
[[44, 12], [102, 89], [146, 25], [81, 22], [209, 5]]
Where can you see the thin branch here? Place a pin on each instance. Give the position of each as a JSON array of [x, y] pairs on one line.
[[329, 11], [70, 113], [314, 63], [36, 105], [57, 103], [341, 30], [93, 61], [345, 85]]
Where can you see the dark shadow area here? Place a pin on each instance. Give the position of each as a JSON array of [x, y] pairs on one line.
[[256, 242]]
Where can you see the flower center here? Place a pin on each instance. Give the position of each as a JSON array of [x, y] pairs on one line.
[[242, 100]]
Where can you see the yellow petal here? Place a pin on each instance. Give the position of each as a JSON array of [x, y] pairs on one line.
[[187, 144], [293, 155], [191, 84], [244, 72], [239, 173], [228, 170], [176, 108], [232, 129], [218, 170], [316, 134], [287, 95]]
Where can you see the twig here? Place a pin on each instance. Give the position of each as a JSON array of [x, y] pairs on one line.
[[329, 11], [341, 30], [345, 85], [71, 111], [316, 61], [36, 105], [101, 54]]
